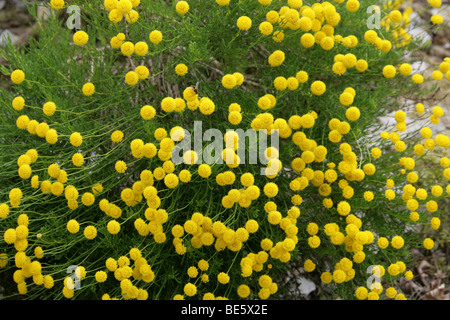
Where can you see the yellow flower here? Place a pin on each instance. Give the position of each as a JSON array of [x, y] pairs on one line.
[[417, 78], [80, 38], [132, 16], [73, 226], [389, 71], [318, 87], [101, 276], [343, 208], [78, 159], [190, 289], [131, 78], [155, 36], [397, 242], [266, 28], [223, 278], [49, 108], [326, 277], [120, 166], [280, 83], [361, 293], [113, 227], [235, 117], [307, 40], [436, 19], [352, 114], [117, 136], [207, 106], [352, 5], [181, 69], [124, 6], [148, 112], [244, 23], [228, 81], [88, 199], [182, 7], [276, 58], [127, 48], [314, 241], [141, 48], [57, 4], [171, 180]]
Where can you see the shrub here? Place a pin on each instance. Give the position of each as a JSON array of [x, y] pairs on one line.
[[94, 117]]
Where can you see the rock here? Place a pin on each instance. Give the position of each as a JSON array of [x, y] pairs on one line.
[[417, 32], [419, 67], [2, 4], [5, 35], [19, 4], [43, 13], [439, 51], [306, 286]]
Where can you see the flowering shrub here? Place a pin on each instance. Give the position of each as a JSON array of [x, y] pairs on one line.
[[94, 117]]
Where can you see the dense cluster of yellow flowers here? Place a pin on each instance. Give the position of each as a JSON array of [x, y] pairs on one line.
[[334, 172]]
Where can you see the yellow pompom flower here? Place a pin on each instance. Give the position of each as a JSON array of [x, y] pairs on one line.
[[80, 38], [318, 88], [57, 4], [223, 278], [49, 108], [181, 69], [343, 208], [18, 103], [270, 189], [113, 227], [155, 36], [51, 136], [78, 159], [101, 276], [73, 226], [127, 48], [124, 6], [120, 166], [276, 58], [17, 76], [235, 117], [436, 19], [141, 48], [397, 242], [352, 113], [131, 78], [352, 5], [417, 78], [396, 16], [148, 112], [142, 72], [88, 89], [132, 16], [266, 28], [117, 136], [389, 71], [244, 23], [207, 106], [90, 232], [229, 81], [190, 289], [307, 40], [182, 7]]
